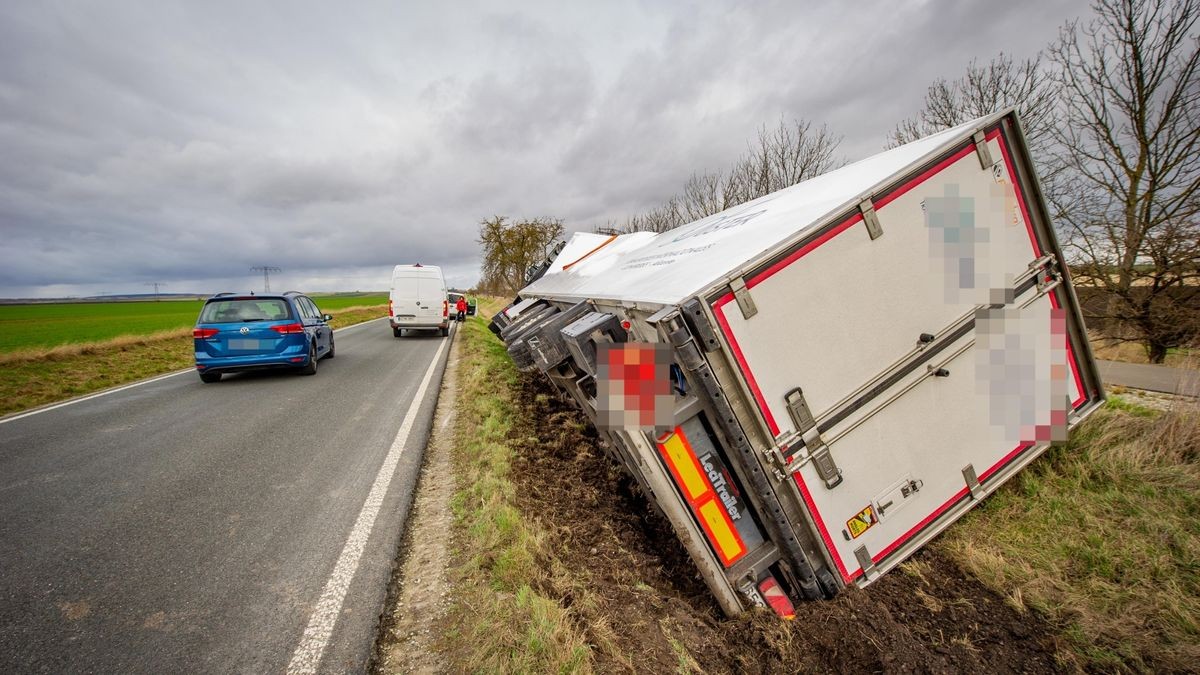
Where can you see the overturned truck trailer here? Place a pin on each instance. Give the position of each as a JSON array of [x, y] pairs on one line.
[[855, 361]]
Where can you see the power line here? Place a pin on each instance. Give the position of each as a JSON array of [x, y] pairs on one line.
[[266, 270], [155, 284]]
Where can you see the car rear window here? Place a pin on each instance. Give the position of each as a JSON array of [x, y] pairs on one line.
[[245, 309]]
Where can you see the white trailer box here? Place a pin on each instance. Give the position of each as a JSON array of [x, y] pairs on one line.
[[857, 360]]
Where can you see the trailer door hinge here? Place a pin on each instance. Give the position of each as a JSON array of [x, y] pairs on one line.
[[972, 481], [863, 556], [874, 229], [742, 295], [983, 151]]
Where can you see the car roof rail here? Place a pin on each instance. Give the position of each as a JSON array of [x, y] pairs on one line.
[[217, 295], [292, 293]]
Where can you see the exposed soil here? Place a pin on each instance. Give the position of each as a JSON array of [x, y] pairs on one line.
[[644, 608]]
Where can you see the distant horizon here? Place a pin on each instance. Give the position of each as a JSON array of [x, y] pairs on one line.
[[179, 296]]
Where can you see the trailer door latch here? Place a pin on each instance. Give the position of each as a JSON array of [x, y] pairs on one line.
[[818, 451], [826, 468]]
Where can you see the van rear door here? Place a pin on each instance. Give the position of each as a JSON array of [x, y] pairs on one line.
[[432, 297]]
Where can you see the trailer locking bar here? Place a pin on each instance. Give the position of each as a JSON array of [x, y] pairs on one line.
[[928, 352]]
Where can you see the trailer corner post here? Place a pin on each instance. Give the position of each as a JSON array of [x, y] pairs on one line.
[[773, 518]]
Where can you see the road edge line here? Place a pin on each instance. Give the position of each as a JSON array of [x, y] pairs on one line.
[[311, 649]]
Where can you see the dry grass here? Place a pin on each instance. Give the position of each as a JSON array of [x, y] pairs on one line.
[[75, 350], [500, 623], [1103, 537], [34, 377]]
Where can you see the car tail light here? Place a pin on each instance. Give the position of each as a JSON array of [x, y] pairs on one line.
[[390, 312], [288, 329], [445, 308], [204, 333]]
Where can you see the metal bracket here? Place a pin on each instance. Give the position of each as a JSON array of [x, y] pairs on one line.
[[818, 451], [826, 468], [874, 229], [864, 561], [665, 314], [798, 408], [742, 295], [972, 480], [983, 151], [750, 591]]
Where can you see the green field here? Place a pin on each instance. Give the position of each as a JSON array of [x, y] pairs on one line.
[[52, 324]]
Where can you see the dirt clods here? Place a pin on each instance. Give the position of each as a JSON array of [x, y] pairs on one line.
[[633, 591]]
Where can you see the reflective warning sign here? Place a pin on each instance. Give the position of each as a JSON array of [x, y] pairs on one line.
[[861, 522]]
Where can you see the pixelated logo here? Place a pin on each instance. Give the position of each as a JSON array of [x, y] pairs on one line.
[[633, 387], [1021, 368], [970, 245], [861, 522]]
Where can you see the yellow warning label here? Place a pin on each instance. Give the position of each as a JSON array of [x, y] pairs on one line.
[[861, 522]]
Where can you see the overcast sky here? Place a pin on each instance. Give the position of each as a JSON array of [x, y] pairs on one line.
[[184, 143]]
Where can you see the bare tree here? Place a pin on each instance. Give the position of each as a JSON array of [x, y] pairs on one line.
[[1130, 151], [780, 158], [510, 248], [982, 90]]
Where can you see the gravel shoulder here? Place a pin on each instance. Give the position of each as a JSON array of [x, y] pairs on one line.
[[418, 595]]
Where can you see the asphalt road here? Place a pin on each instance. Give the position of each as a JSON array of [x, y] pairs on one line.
[[177, 526], [1150, 377]]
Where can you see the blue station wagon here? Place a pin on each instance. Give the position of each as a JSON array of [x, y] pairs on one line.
[[236, 333]]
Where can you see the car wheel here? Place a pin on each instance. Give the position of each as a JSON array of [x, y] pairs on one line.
[[397, 332], [331, 349], [445, 330], [210, 377], [310, 368]]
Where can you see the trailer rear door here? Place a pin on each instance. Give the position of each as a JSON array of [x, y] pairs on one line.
[[922, 344]]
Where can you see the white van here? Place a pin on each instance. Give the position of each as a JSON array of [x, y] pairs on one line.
[[418, 300]]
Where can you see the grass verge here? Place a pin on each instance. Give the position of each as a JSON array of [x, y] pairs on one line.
[[1102, 536], [34, 377], [499, 621]]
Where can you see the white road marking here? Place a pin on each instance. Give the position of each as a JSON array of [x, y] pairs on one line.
[[89, 397], [307, 656], [114, 390]]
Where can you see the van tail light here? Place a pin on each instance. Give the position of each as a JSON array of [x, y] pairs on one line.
[[204, 333], [288, 329], [390, 312], [445, 308]]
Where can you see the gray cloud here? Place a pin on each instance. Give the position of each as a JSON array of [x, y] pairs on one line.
[[186, 142]]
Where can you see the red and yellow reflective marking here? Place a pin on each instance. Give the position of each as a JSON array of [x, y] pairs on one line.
[[699, 493]]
